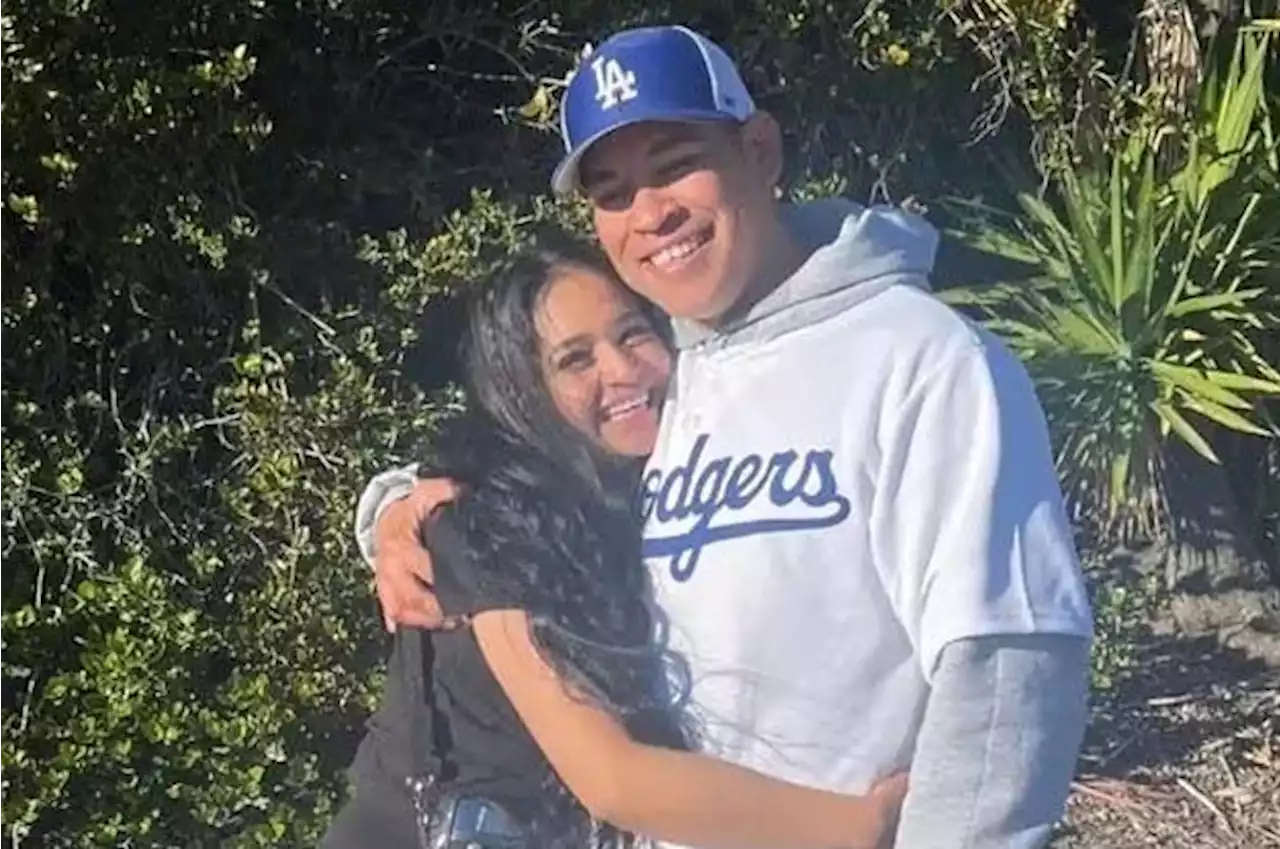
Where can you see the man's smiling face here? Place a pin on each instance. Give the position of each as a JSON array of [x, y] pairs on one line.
[[684, 210]]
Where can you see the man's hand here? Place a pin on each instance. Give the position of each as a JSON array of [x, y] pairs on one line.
[[402, 566], [887, 796]]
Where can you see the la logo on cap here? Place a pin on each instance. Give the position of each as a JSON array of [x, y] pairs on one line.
[[614, 84]]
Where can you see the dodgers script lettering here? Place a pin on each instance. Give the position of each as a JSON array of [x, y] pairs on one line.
[[715, 493]]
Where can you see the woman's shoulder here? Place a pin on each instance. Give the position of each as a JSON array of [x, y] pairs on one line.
[[502, 506], [471, 572], [494, 468], [504, 483], [518, 511], [490, 542]]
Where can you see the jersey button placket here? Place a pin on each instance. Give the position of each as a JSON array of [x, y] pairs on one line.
[[710, 373], [694, 387]]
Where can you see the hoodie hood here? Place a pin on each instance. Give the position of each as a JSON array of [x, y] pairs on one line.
[[857, 252]]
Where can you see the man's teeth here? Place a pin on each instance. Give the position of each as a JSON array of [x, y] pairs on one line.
[[674, 253], [621, 409]]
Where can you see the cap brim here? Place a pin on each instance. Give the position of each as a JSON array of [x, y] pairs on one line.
[[564, 180]]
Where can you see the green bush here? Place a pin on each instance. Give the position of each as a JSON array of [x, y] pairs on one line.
[[205, 357], [1122, 610], [1148, 316], [201, 644]]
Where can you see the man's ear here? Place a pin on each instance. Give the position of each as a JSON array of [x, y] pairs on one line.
[[762, 145]]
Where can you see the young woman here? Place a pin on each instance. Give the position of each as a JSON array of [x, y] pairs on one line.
[[553, 710]]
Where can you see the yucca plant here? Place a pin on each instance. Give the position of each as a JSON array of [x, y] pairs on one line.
[[1151, 294]]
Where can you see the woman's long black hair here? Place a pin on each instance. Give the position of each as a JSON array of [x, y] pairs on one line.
[[549, 518]]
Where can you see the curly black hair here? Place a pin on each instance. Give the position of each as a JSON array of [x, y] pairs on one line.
[[552, 520]]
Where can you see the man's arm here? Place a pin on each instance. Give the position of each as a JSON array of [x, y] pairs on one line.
[[979, 561], [389, 514], [380, 493], [999, 742]]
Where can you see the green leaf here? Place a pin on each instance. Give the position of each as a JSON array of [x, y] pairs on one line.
[[1096, 265], [1084, 332], [1206, 303], [1119, 479], [1116, 215], [1243, 382], [1228, 251], [1184, 429], [1142, 254], [1197, 384], [1226, 417]]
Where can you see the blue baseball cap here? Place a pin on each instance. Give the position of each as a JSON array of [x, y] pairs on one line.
[[668, 73]]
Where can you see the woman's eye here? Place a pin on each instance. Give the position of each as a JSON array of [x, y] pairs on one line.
[[637, 334], [576, 361]]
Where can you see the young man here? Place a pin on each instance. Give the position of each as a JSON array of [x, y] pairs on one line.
[[853, 524]]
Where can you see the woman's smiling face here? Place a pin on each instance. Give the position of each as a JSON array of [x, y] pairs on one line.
[[604, 363]]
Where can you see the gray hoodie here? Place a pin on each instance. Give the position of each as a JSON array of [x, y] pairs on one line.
[[856, 540], [857, 253]]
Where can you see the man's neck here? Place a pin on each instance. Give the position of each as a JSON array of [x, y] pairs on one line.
[[783, 254]]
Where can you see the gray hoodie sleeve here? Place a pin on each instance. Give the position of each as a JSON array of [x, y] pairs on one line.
[[998, 746], [379, 493]]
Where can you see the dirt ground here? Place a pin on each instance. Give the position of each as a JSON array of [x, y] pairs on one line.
[[1185, 755]]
